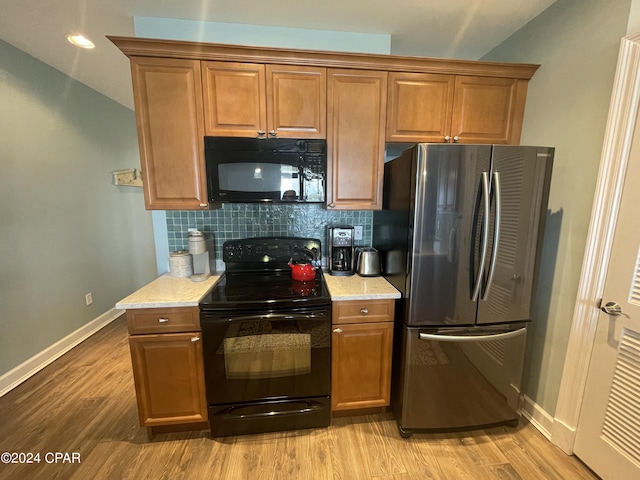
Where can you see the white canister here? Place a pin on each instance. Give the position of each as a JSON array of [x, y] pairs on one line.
[[180, 264]]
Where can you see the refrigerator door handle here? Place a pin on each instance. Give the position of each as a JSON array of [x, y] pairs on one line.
[[473, 338], [496, 234], [485, 236]]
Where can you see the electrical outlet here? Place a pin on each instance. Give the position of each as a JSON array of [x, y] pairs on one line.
[[357, 232], [88, 298]]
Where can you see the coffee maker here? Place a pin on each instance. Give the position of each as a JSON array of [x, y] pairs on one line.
[[201, 250], [341, 250]]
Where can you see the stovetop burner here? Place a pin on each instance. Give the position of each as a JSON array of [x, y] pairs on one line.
[[256, 290], [257, 275]]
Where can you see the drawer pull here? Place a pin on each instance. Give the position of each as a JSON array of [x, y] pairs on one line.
[[337, 330], [364, 311], [163, 320], [195, 339]]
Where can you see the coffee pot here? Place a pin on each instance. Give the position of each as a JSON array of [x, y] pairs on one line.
[[201, 250], [341, 261]]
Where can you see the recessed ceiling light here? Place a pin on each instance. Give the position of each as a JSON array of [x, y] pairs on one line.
[[80, 41]]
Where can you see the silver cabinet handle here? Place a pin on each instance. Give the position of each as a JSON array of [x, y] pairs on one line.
[[195, 339], [337, 330], [273, 133], [163, 320], [456, 139], [204, 205], [261, 133], [447, 139], [364, 311], [331, 205]]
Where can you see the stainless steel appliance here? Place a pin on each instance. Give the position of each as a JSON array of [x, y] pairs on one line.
[[265, 170], [460, 233], [367, 262], [267, 340]]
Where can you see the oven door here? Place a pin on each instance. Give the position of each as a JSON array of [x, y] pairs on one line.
[[250, 357]]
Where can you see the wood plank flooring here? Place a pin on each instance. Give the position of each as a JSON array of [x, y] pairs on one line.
[[84, 403]]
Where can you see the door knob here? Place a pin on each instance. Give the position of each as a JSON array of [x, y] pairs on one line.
[[612, 308]]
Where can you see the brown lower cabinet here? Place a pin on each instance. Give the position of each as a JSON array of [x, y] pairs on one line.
[[168, 370], [361, 354], [168, 367]]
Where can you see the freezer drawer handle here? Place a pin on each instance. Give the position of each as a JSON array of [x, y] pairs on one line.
[[472, 338]]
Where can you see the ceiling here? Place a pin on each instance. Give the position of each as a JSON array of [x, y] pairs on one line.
[[434, 28]]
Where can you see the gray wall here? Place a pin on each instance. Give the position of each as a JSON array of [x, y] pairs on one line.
[[576, 42], [65, 230]]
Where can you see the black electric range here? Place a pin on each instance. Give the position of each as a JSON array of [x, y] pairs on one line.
[[266, 340], [257, 275]]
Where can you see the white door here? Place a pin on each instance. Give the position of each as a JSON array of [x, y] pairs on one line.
[[608, 433]]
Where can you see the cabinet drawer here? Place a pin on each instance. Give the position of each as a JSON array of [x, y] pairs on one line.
[[358, 311], [163, 320]]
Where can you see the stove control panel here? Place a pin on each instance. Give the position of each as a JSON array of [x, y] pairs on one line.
[[271, 249]]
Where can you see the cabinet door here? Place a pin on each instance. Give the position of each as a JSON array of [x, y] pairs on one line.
[[297, 101], [356, 115], [361, 365], [234, 99], [488, 110], [419, 107], [168, 104], [169, 378]]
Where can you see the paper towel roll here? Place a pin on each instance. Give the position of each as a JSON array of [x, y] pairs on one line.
[[180, 264]]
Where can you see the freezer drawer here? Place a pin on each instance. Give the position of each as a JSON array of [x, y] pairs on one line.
[[458, 378]]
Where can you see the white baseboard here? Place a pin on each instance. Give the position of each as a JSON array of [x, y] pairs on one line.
[[25, 370], [537, 416]]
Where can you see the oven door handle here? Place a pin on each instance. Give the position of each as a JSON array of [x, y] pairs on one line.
[[278, 316]]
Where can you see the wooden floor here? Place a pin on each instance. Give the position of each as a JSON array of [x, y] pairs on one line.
[[84, 405]]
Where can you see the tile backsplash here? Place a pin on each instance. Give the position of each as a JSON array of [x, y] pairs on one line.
[[241, 220]]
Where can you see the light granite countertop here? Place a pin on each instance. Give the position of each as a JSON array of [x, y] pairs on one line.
[[168, 291], [355, 287]]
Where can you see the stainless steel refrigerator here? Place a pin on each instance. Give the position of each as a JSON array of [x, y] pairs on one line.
[[460, 234]]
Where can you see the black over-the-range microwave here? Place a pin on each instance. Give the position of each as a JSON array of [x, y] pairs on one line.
[[266, 169]]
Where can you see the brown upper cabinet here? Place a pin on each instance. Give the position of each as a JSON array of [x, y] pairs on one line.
[[186, 90], [449, 108], [167, 94], [255, 100], [355, 138]]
